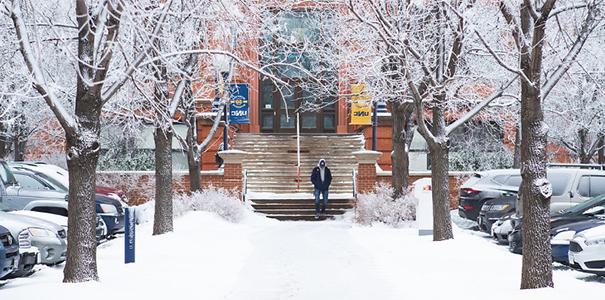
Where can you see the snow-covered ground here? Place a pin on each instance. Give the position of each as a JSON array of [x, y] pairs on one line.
[[209, 258]]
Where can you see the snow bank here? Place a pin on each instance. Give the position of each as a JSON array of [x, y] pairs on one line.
[[381, 207], [223, 202]]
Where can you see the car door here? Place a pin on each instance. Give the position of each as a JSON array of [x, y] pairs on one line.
[[562, 182]]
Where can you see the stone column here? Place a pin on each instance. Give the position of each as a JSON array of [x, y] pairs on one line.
[[366, 170], [233, 178]]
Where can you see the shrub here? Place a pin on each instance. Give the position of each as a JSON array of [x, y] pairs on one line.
[[381, 207], [223, 202]]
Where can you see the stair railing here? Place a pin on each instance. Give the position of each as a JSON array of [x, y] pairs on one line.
[[297, 151], [354, 183], [245, 173]]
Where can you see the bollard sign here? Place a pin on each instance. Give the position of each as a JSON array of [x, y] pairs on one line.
[[238, 104], [423, 191], [129, 235]]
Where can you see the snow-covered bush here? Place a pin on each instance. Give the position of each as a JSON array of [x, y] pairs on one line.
[[381, 207], [223, 202]]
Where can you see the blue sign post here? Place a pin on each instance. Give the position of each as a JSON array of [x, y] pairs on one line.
[[238, 104], [129, 235]]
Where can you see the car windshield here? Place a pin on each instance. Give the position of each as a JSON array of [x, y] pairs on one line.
[[6, 175], [55, 183], [580, 208]]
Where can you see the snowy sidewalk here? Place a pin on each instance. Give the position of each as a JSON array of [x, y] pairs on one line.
[[309, 260], [261, 259]]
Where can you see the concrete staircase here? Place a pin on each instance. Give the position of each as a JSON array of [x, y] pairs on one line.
[[272, 184]]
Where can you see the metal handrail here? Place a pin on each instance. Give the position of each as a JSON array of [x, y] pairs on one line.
[[297, 151], [245, 184], [354, 183]]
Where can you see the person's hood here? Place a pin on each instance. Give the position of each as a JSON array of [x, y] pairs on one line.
[[319, 162]]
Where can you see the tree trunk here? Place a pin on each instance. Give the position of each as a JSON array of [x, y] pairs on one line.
[[517, 151], [601, 152], [399, 157], [20, 139], [583, 152], [82, 156], [193, 162], [535, 193], [5, 141], [439, 151], [403, 131], [162, 218], [442, 225]]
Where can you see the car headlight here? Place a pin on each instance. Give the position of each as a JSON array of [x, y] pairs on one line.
[[109, 209], [563, 237], [594, 242], [39, 232], [499, 207]]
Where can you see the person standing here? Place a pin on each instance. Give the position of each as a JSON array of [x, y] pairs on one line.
[[321, 177]]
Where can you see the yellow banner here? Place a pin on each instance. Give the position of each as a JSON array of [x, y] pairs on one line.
[[361, 106]]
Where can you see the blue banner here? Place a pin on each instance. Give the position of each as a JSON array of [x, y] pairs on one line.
[[238, 104], [129, 235]]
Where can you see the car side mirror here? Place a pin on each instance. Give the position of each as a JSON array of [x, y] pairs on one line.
[[597, 210]]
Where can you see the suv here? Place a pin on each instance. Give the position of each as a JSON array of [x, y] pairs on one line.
[[9, 253], [15, 196]]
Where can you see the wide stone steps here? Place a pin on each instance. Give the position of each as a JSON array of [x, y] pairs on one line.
[[271, 168]]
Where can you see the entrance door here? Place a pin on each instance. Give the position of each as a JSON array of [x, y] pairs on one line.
[[278, 112]]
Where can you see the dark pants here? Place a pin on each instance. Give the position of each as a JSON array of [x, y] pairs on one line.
[[324, 194]]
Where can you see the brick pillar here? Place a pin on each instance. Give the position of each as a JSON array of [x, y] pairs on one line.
[[366, 170], [233, 178]]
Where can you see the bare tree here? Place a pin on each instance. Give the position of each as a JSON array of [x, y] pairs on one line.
[[88, 44], [529, 23], [431, 54]]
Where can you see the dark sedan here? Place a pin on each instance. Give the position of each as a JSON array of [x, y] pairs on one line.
[[484, 186], [495, 209], [594, 207]]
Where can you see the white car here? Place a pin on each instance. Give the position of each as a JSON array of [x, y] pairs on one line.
[[57, 219], [501, 229], [587, 250]]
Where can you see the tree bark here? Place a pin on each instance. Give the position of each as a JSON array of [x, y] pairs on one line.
[[517, 151], [162, 218], [82, 157], [537, 258], [193, 162], [601, 151], [583, 152], [439, 151], [399, 158]]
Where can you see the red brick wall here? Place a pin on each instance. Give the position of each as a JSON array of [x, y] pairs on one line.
[[366, 178], [140, 186]]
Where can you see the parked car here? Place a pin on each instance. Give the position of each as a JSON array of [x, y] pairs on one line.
[[494, 209], [502, 228], [59, 177], [109, 208], [15, 196], [484, 186], [561, 236], [587, 250], [571, 186], [594, 207], [39, 241], [9, 253], [59, 209]]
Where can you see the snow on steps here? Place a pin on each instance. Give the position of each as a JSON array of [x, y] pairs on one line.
[[271, 170]]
